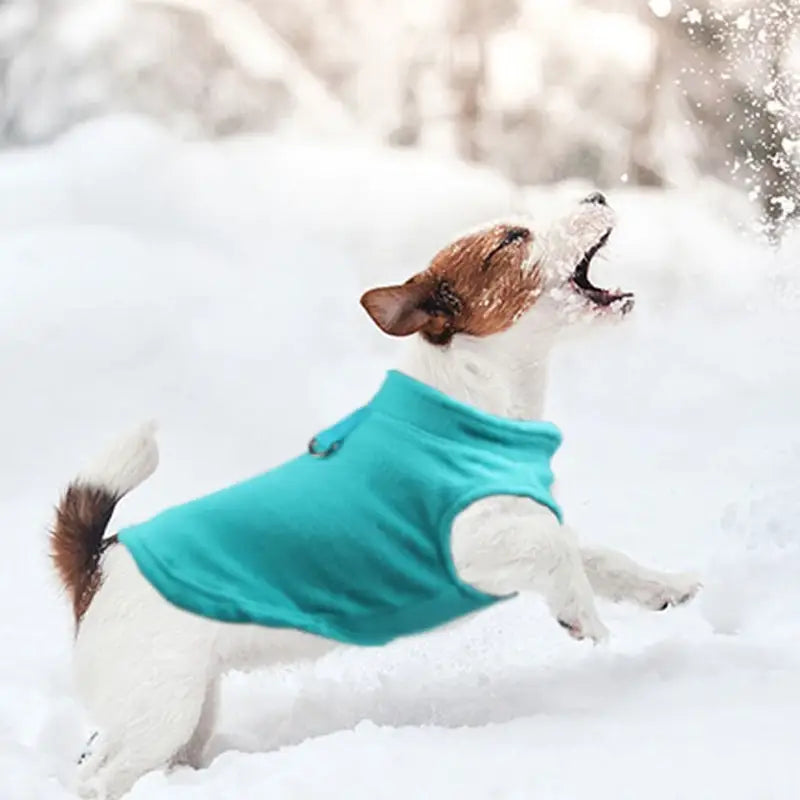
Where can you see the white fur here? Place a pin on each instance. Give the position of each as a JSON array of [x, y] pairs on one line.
[[148, 673], [125, 464]]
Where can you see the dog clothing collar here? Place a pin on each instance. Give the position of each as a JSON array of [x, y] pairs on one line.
[[412, 402]]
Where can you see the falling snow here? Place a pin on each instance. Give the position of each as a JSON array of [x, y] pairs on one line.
[[752, 55]]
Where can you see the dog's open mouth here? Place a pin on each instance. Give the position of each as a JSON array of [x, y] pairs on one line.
[[600, 297]]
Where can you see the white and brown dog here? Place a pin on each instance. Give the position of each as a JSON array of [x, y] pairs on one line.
[[483, 316]]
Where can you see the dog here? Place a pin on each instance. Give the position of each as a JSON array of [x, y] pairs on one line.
[[481, 320]]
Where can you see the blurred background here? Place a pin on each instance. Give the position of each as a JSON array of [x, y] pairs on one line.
[[614, 91]]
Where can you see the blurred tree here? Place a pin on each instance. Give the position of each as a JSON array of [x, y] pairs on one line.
[[473, 22], [201, 66], [605, 90]]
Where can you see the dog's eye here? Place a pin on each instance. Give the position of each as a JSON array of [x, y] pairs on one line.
[[444, 300], [512, 235], [515, 235]]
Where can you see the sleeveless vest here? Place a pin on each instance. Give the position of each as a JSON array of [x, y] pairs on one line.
[[351, 540]]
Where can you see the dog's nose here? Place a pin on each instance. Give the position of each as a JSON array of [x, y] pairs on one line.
[[597, 198]]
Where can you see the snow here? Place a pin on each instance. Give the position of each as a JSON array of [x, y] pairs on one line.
[[661, 8], [743, 21], [215, 287], [694, 16]]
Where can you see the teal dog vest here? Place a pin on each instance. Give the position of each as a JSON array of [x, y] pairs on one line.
[[350, 541]]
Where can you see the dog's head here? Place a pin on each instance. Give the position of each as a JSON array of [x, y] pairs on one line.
[[487, 281]]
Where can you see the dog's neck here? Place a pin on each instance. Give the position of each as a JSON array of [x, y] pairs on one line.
[[484, 373]]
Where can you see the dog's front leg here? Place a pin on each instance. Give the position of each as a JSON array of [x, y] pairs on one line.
[[502, 545], [618, 577], [558, 573]]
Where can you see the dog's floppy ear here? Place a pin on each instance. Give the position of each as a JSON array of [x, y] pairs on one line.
[[397, 310]]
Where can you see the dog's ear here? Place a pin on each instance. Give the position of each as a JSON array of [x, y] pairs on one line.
[[398, 310]]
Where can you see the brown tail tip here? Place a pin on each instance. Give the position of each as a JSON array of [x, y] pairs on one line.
[[76, 541]]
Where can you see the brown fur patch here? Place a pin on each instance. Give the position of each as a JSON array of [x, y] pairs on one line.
[[477, 285], [76, 541]]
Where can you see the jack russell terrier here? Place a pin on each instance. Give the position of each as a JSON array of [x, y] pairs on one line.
[[428, 503]]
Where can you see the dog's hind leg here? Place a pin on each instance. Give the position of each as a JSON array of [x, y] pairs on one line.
[[191, 754], [617, 577], [142, 668], [146, 728]]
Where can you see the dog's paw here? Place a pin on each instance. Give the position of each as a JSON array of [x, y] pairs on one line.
[[674, 590], [584, 626], [189, 756], [91, 789]]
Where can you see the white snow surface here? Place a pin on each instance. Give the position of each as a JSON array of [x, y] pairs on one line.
[[215, 288]]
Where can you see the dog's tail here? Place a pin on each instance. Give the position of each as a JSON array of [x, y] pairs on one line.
[[76, 539]]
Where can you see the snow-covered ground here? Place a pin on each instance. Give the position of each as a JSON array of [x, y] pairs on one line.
[[215, 287]]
